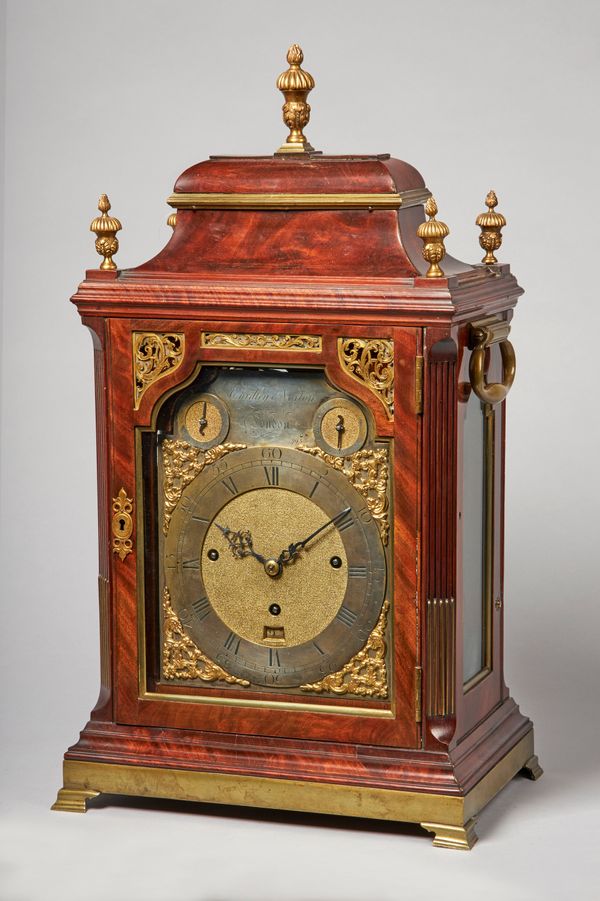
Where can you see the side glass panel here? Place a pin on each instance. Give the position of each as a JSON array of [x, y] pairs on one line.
[[477, 535]]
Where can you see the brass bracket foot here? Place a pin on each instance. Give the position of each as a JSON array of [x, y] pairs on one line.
[[73, 800], [532, 769], [460, 838]]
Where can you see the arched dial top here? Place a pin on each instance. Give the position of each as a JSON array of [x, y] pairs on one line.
[[275, 566]]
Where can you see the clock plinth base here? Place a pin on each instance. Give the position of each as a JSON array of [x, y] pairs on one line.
[[73, 800], [450, 816], [457, 838], [532, 769]]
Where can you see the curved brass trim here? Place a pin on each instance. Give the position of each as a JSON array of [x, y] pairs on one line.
[[484, 334], [298, 201]]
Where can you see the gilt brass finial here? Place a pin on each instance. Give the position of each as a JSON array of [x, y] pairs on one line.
[[491, 224], [295, 84], [432, 233], [172, 220], [106, 228]]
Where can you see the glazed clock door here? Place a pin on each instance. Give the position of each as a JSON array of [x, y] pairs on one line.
[[267, 596]]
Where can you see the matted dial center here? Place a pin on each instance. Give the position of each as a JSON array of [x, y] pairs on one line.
[[308, 591]]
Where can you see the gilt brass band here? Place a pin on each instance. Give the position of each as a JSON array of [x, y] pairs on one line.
[[449, 816], [392, 201], [483, 334]]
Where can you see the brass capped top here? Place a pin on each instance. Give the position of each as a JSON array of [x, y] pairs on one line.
[[105, 228], [295, 84]]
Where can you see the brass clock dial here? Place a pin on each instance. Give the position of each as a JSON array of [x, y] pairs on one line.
[[275, 566], [205, 420], [340, 427]]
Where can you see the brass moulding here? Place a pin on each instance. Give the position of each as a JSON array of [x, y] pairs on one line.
[[285, 201], [105, 228], [450, 817], [295, 84], [256, 340]]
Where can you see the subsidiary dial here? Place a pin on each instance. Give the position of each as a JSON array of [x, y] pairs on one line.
[[340, 427], [205, 420]]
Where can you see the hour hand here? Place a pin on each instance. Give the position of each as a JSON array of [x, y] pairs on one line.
[[240, 543], [292, 551]]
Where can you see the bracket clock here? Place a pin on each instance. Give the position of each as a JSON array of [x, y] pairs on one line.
[[300, 408]]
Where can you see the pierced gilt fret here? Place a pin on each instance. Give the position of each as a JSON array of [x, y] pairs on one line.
[[371, 362], [155, 355], [263, 341]]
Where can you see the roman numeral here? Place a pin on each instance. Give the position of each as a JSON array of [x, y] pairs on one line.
[[201, 608], [230, 485], [346, 616], [191, 564], [272, 474], [346, 522], [320, 650], [357, 572], [232, 642], [314, 488], [274, 657], [200, 519]]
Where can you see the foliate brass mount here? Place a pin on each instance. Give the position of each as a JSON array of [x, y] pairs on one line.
[[365, 675], [367, 471], [483, 334], [154, 355], [249, 341], [105, 228], [182, 462], [432, 233], [491, 224], [182, 659], [122, 524], [295, 84], [371, 362]]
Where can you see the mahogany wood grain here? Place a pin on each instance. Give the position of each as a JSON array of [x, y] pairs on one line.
[[329, 272]]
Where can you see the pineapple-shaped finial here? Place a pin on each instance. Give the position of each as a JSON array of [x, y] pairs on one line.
[[432, 233], [295, 84], [491, 224], [106, 227]]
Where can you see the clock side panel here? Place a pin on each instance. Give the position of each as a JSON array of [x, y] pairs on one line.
[[133, 401]]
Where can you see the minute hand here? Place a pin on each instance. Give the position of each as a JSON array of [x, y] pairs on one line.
[[293, 550]]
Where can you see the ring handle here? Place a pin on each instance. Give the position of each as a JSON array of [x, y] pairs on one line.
[[482, 335]]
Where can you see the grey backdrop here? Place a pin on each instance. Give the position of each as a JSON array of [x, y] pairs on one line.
[[121, 97]]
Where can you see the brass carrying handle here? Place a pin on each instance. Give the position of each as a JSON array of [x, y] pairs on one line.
[[482, 335]]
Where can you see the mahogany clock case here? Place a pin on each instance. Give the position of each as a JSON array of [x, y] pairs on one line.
[[421, 727]]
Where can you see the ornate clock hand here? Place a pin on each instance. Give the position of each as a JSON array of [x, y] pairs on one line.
[[340, 429], [203, 421], [240, 543], [291, 552]]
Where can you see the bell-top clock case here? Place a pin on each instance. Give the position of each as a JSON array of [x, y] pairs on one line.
[[300, 409]]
